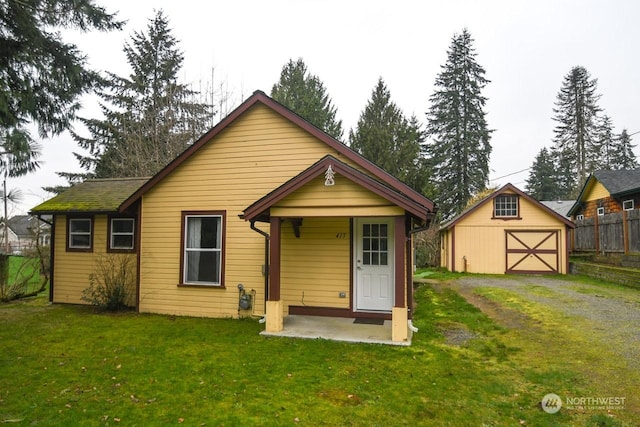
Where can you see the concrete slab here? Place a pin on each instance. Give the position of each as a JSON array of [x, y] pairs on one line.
[[337, 329]]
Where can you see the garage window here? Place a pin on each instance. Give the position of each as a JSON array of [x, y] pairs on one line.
[[505, 206]]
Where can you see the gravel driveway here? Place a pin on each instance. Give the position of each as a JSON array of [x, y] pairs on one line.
[[614, 311]]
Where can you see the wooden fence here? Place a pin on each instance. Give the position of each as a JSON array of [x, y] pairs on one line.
[[611, 233]]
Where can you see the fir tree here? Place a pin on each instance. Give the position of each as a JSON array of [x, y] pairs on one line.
[[459, 146], [385, 137], [605, 146], [542, 183], [149, 117], [306, 95], [623, 157], [576, 140], [42, 77]]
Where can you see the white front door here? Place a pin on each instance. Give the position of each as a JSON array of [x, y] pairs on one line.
[[374, 290]]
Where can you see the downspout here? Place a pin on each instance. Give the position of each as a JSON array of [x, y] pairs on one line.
[[266, 266]]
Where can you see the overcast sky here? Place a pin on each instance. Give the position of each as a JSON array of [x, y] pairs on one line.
[[526, 48]]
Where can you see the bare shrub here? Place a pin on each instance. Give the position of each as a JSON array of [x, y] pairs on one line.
[[112, 282], [427, 246]]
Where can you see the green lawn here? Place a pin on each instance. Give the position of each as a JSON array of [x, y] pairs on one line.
[[67, 365]]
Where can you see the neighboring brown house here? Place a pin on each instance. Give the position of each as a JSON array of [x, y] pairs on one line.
[[607, 192]]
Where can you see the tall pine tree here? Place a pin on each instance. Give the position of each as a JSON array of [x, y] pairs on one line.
[[305, 94], [149, 117], [459, 146], [542, 183], [622, 156], [577, 134], [385, 137]]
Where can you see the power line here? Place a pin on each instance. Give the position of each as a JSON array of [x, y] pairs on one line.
[[512, 173]]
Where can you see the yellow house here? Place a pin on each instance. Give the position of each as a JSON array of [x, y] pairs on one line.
[[505, 233], [267, 215]]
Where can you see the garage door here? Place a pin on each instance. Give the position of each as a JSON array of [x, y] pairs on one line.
[[532, 251]]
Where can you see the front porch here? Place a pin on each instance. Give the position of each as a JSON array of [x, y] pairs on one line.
[[337, 329]]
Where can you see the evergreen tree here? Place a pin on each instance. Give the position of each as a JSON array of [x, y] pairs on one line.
[[306, 95], [622, 156], [542, 183], [576, 139], [149, 117], [459, 145], [605, 146], [42, 77], [385, 137]]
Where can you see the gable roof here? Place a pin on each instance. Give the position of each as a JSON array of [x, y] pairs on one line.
[[260, 97], [618, 183], [92, 196], [258, 210], [502, 190], [21, 225]]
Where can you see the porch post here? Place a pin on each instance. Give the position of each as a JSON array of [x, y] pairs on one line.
[[400, 313], [275, 320]]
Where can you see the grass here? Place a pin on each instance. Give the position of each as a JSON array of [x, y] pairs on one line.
[[69, 365]]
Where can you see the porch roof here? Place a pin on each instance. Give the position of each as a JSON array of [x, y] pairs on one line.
[[259, 210]]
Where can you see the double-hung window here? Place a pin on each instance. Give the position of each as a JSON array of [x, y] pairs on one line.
[[505, 206], [80, 232], [203, 249], [122, 234]]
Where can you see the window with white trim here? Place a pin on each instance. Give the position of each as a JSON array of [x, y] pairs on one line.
[[80, 230], [202, 252], [600, 211], [122, 234], [628, 205], [505, 206]]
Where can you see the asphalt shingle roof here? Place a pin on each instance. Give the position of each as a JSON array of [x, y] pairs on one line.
[[619, 182], [96, 195]]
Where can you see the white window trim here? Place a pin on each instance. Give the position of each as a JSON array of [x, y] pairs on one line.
[[627, 208], [580, 217], [496, 214], [600, 211], [80, 233], [114, 234], [185, 250]]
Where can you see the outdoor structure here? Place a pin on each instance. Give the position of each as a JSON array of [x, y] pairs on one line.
[[264, 215], [607, 192], [506, 232], [22, 232], [607, 213]]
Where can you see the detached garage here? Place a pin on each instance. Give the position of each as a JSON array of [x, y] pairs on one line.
[[507, 232]]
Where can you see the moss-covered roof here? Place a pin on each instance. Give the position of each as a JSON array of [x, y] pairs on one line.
[[96, 195]]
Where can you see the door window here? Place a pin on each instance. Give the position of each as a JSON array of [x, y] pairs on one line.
[[375, 244]]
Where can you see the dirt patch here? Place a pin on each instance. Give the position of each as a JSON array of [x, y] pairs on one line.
[[505, 317]]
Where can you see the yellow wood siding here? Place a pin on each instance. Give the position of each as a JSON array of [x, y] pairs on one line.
[[596, 192], [345, 198], [255, 154], [481, 240], [316, 266], [72, 269]]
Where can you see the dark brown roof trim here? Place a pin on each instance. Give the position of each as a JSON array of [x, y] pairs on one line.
[[502, 190], [258, 208], [261, 97]]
